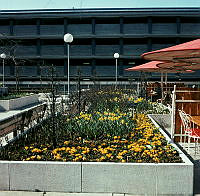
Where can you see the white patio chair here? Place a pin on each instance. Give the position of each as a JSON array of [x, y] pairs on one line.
[[189, 130]]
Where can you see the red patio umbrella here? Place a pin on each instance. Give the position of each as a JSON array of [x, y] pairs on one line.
[[152, 67], [182, 65], [146, 67], [188, 52]]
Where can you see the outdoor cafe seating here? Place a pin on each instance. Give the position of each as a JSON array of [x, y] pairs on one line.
[[185, 118], [189, 130]]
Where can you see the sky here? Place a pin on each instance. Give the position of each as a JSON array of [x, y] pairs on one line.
[[79, 4]]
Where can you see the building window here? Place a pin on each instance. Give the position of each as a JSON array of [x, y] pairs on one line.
[[25, 48], [79, 26], [190, 25], [164, 25], [158, 44], [135, 26], [81, 47], [52, 47], [25, 27], [135, 47], [107, 47], [107, 26], [4, 27], [52, 27]]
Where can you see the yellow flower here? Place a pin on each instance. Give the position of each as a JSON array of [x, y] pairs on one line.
[[66, 142], [26, 147], [67, 149], [36, 150], [104, 151], [122, 121], [76, 159], [55, 151], [109, 155], [119, 157], [32, 157], [84, 158], [38, 157], [57, 157], [102, 158], [61, 149]]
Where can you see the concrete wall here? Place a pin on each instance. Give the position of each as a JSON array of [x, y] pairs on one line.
[[129, 178], [13, 104]]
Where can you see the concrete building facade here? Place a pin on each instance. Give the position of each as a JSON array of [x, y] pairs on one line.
[[34, 39]]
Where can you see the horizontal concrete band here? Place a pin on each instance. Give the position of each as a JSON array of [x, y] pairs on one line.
[[132, 178]]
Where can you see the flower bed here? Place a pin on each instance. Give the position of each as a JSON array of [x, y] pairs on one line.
[[145, 144], [110, 136]]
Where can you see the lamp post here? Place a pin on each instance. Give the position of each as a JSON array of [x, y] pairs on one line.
[[3, 56], [68, 38], [116, 56]]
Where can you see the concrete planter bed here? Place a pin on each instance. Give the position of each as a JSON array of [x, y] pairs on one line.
[[13, 104], [94, 177]]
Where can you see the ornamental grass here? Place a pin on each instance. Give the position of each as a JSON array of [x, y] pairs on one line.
[[109, 134]]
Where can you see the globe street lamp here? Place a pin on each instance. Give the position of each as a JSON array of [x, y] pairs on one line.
[[68, 38], [116, 56], [3, 56]]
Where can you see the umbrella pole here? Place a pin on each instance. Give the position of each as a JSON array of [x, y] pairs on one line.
[[162, 86], [166, 82]]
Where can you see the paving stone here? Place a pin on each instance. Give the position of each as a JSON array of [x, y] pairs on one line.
[[77, 194], [20, 193], [136, 195]]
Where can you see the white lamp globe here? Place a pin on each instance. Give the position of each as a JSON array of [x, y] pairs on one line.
[[3, 55], [68, 38], [116, 55]]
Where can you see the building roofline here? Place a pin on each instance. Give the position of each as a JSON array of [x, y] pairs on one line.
[[91, 10]]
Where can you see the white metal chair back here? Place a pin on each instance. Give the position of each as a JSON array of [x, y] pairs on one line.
[[185, 118], [189, 130]]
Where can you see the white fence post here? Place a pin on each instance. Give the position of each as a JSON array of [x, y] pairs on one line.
[[173, 112]]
